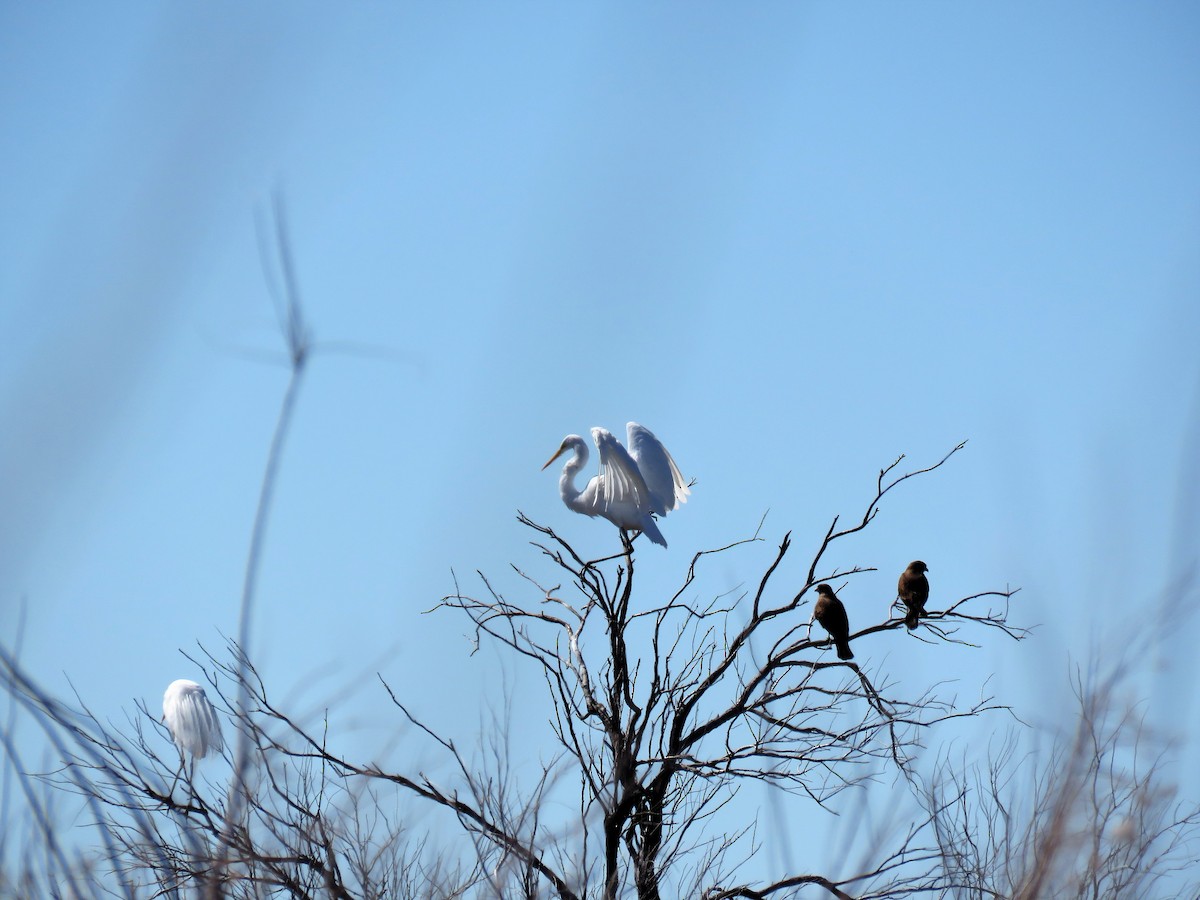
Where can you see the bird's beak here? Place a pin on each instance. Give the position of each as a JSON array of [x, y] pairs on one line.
[[556, 455]]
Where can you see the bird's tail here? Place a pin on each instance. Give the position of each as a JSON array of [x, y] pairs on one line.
[[843, 649], [650, 529], [910, 620]]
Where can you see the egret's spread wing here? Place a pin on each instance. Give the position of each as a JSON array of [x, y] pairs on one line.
[[668, 488], [623, 484]]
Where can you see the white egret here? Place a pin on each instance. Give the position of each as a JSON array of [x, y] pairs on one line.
[[633, 485], [192, 720]]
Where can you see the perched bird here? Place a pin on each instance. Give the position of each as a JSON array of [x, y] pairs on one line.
[[830, 612], [633, 485], [914, 591], [191, 719]]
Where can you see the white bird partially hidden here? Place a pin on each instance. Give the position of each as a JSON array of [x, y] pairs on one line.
[[633, 485], [192, 720]]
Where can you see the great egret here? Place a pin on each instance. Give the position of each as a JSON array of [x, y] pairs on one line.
[[632, 484], [191, 719], [914, 591], [830, 612]]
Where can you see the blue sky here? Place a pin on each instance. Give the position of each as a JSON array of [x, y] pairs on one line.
[[795, 240]]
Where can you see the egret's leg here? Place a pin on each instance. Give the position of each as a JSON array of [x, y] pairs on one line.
[[178, 772], [191, 782]]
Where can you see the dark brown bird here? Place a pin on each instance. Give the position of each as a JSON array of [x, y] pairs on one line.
[[832, 616], [914, 591]]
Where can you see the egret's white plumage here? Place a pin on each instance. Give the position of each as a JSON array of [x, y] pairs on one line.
[[668, 487], [632, 484], [191, 719]]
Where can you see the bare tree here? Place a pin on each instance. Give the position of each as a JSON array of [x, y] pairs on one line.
[[663, 709]]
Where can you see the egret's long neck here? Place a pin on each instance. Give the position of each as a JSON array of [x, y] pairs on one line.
[[566, 483]]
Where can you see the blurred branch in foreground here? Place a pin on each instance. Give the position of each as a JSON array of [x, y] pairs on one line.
[[1095, 817]]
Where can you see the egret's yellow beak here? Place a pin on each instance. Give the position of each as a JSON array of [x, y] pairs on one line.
[[557, 454]]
